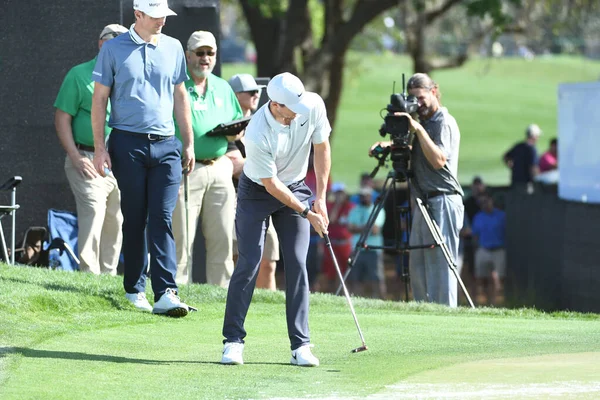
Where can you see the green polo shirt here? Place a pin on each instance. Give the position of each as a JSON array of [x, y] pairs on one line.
[[218, 105], [75, 98]]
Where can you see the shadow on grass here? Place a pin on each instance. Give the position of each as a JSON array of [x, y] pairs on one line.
[[107, 295], [75, 355]]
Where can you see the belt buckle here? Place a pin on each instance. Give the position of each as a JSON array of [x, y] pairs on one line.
[[153, 137]]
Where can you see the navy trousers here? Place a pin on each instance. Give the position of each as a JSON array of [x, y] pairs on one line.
[[254, 207], [148, 171]]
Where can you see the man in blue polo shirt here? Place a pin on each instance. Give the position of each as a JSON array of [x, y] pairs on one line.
[[278, 142], [143, 72]]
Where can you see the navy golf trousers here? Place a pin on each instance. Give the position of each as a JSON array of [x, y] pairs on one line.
[[148, 171], [254, 207]]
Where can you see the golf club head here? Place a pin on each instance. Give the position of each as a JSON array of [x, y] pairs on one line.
[[361, 348]]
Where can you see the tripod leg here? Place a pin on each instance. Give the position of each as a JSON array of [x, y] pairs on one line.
[[439, 241]]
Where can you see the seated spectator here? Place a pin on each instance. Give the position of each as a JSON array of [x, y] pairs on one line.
[[368, 267], [338, 207], [549, 160], [488, 229]]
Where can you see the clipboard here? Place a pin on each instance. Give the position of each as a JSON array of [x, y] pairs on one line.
[[229, 128]]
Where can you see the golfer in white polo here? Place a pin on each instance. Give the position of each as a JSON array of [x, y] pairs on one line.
[[278, 143]]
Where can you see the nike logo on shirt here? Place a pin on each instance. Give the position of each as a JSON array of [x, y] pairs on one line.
[[304, 123]]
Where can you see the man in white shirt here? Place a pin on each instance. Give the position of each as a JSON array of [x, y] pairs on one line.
[[278, 143]]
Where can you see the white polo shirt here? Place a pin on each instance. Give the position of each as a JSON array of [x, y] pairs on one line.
[[273, 149]]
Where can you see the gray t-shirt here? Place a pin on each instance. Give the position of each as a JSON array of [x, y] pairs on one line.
[[443, 130]]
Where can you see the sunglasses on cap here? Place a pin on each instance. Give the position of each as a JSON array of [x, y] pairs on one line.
[[252, 92], [202, 53]]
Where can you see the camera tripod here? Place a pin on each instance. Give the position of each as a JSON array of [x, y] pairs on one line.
[[401, 242]]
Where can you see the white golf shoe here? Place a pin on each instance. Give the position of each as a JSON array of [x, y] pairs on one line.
[[303, 357], [139, 300], [232, 353], [170, 304]]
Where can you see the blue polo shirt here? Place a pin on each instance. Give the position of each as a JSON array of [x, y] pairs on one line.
[[142, 77], [489, 228]]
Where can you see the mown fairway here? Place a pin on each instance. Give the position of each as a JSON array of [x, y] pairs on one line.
[[493, 101], [74, 336]]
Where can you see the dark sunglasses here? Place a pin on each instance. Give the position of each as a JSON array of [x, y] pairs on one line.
[[202, 53], [252, 92]]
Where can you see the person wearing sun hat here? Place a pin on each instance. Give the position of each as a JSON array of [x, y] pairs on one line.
[[143, 72], [278, 143], [99, 217]]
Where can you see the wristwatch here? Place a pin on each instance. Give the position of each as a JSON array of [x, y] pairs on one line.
[[304, 213]]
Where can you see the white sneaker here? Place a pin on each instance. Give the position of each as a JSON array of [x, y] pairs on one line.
[[232, 353], [303, 357], [139, 300], [170, 304]]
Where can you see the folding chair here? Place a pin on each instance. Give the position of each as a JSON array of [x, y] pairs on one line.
[[9, 185], [62, 227]]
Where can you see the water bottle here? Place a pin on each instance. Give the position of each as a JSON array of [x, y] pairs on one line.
[[54, 259]]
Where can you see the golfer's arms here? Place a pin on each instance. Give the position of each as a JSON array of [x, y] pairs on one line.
[[99, 103], [62, 123], [322, 168], [277, 189]]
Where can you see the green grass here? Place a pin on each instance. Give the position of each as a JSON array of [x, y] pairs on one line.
[[492, 100], [73, 335]]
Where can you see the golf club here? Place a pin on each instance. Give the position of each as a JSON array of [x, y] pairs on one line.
[[339, 272]]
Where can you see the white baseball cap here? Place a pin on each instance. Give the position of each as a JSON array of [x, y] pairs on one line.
[[338, 187], [200, 39], [288, 90], [153, 8]]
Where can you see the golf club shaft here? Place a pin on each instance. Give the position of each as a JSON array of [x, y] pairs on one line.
[[339, 272]]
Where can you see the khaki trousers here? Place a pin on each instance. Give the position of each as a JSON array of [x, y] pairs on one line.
[[211, 198], [99, 219]]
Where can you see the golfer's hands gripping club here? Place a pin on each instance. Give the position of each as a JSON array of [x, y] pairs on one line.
[[318, 217]]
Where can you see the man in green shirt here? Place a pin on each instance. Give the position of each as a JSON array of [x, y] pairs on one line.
[[97, 198], [212, 195]]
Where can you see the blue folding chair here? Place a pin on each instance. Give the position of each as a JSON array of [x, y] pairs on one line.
[[62, 245]]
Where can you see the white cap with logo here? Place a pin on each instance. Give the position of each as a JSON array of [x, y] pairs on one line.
[[200, 39], [153, 8], [288, 90]]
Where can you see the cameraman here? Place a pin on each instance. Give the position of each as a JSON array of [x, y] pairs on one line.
[[434, 165]]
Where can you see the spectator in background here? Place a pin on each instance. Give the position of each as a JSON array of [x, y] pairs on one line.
[[366, 181], [488, 229], [367, 275], [247, 92], [338, 207], [549, 160], [98, 199], [211, 192], [522, 157], [472, 205]]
